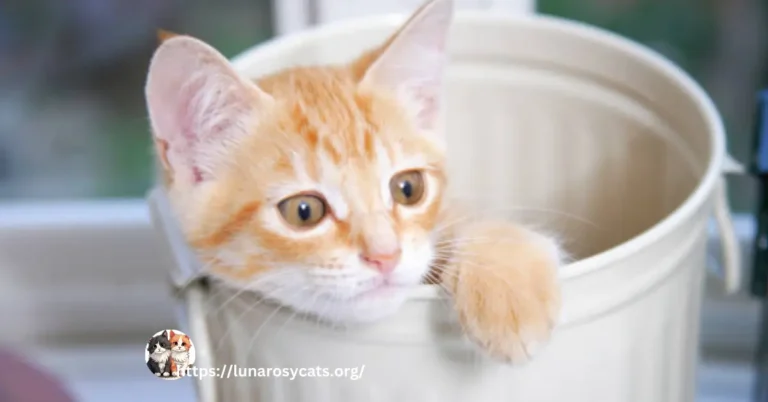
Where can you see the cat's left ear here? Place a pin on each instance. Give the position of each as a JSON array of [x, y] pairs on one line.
[[412, 61], [199, 108]]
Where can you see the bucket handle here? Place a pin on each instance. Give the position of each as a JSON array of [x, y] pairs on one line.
[[729, 240]]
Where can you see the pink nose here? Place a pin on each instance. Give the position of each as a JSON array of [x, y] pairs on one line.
[[384, 263]]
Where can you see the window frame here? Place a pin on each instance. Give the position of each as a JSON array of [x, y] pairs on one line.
[[295, 15]]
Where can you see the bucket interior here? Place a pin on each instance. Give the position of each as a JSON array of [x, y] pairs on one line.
[[569, 155]]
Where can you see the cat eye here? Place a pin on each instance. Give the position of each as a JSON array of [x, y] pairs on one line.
[[407, 188], [303, 210]]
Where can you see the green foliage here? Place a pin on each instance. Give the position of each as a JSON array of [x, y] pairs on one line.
[[682, 30]]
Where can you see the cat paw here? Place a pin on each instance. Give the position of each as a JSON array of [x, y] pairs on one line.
[[157, 374], [165, 374], [504, 283]]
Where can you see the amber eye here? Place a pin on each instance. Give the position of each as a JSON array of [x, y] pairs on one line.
[[407, 187], [302, 211]]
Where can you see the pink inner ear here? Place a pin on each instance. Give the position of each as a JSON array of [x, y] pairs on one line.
[[413, 63], [199, 106], [429, 108], [185, 118], [197, 175], [193, 118]]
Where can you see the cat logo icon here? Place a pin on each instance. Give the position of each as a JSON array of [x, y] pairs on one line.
[[169, 354]]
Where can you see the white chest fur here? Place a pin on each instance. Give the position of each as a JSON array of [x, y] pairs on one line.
[[161, 359], [180, 358]]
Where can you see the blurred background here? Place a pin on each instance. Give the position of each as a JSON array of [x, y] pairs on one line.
[[73, 124], [72, 117]]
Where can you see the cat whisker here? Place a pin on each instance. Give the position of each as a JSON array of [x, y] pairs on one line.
[[250, 287], [263, 324], [488, 270], [296, 310], [533, 209], [470, 240], [436, 280], [447, 228], [317, 316], [261, 299]]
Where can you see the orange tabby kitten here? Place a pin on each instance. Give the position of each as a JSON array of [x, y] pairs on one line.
[[322, 187]]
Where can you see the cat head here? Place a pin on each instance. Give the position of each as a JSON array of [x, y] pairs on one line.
[[159, 343], [180, 342], [320, 187]]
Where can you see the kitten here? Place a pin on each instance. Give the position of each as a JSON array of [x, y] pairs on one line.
[[180, 345], [322, 187], [159, 349]]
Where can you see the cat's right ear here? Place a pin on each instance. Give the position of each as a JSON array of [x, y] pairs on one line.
[[412, 61], [199, 107]]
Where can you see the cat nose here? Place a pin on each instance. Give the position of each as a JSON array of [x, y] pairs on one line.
[[384, 263]]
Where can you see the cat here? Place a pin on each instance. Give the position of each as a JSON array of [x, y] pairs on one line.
[[180, 346], [159, 348], [323, 187]]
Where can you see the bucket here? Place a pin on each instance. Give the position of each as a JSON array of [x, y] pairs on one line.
[[592, 137]]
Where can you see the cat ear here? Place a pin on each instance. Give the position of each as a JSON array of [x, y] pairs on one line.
[[412, 61], [198, 107], [163, 35]]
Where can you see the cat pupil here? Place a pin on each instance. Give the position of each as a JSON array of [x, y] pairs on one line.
[[406, 188], [305, 212]]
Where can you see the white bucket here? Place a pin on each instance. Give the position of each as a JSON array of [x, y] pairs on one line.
[[542, 113]]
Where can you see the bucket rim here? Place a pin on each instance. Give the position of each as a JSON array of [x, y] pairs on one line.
[[599, 36]]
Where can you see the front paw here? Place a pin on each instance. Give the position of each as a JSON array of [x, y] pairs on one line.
[[504, 283]]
